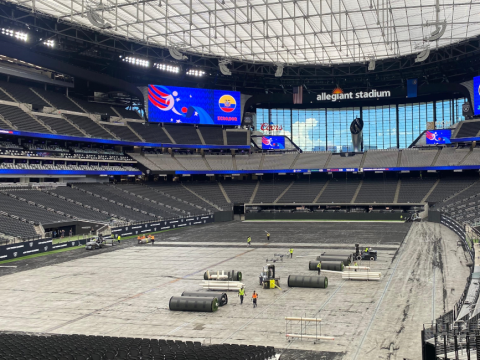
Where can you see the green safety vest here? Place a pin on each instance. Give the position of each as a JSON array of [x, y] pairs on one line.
[[118, 237], [291, 251], [241, 292], [319, 265], [366, 250], [249, 239]]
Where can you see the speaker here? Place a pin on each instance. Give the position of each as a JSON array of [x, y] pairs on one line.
[[36, 107], [467, 109], [248, 119], [105, 117]]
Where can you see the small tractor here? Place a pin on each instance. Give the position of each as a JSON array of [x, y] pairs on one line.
[[364, 255], [268, 279]]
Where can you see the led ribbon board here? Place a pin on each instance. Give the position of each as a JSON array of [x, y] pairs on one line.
[[180, 105]]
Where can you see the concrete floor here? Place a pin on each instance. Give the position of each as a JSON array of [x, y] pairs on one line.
[[126, 292]]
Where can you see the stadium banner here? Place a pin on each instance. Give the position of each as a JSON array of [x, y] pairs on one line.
[[160, 225], [412, 88], [17, 250], [182, 105], [118, 142]]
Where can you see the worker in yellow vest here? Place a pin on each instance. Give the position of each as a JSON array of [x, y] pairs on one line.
[[241, 293], [291, 253]]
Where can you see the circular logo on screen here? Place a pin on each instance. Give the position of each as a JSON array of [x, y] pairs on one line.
[[227, 103]]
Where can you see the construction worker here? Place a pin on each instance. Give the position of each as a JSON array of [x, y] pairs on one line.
[[291, 253], [268, 236], [366, 249], [139, 239], [319, 267], [249, 240], [241, 293], [152, 238], [254, 299], [355, 264], [118, 239]]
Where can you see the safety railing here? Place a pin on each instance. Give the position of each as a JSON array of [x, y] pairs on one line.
[[452, 337]]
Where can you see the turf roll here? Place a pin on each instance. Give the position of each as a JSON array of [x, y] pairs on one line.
[[221, 296], [200, 304], [308, 281], [345, 259]]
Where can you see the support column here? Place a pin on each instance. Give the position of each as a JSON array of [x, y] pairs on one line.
[[398, 126]]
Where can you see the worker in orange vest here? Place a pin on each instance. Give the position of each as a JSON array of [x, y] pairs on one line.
[[254, 299]]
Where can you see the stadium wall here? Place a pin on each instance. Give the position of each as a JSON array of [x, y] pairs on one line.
[[327, 216], [223, 216], [81, 227], [160, 225]]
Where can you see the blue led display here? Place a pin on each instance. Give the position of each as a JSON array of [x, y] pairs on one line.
[[438, 137], [273, 143], [476, 95], [175, 104], [65, 172]]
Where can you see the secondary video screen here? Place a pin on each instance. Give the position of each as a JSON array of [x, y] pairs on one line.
[[438, 137], [273, 142]]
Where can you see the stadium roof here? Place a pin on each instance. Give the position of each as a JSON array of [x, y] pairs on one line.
[[287, 31]]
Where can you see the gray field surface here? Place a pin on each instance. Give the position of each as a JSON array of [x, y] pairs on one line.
[[124, 291]]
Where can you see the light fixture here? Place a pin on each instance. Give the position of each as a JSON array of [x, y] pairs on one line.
[[194, 72], [49, 43], [16, 34], [222, 64], [135, 61], [279, 71], [423, 55], [177, 55], [97, 20], [371, 65], [166, 67]]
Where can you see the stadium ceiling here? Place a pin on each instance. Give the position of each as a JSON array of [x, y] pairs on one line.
[[287, 32]]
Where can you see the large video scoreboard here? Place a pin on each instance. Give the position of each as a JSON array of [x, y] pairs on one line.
[[173, 104]]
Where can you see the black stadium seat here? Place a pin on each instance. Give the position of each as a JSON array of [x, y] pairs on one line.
[[22, 94], [61, 126], [21, 119], [89, 126], [83, 347]]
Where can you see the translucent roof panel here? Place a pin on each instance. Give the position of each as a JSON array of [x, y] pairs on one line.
[[286, 31]]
